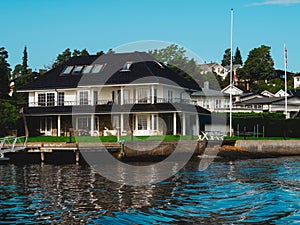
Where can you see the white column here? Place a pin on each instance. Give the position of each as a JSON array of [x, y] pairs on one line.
[[152, 94], [122, 98], [92, 96], [121, 123], [92, 124], [174, 123], [197, 124], [58, 125], [183, 124], [152, 122], [136, 122]]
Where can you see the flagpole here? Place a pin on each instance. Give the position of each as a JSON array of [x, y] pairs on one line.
[[230, 85], [285, 81]]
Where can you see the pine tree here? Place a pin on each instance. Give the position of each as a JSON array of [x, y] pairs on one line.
[[24, 62], [237, 59], [4, 74], [226, 57]]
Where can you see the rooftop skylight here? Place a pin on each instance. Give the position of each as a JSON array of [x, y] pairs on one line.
[[97, 68], [77, 70], [87, 69], [68, 70], [126, 66]]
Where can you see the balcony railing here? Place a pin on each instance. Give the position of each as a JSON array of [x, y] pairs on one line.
[[109, 102]]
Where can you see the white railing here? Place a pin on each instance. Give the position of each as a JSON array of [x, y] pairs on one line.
[[110, 101], [12, 144]]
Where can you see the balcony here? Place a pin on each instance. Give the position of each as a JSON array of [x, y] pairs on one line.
[[110, 102]]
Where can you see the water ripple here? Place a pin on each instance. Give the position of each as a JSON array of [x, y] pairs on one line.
[[238, 192]]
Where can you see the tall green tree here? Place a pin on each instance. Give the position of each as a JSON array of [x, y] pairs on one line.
[[63, 57], [9, 117], [24, 62], [17, 71], [4, 74], [226, 58], [67, 54], [259, 65], [84, 52], [175, 57], [237, 59], [100, 53]]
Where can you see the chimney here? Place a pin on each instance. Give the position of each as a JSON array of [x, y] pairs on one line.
[[248, 86]]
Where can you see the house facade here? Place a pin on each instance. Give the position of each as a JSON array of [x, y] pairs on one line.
[[297, 81], [214, 67], [98, 95]]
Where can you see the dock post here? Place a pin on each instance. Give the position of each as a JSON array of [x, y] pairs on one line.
[[42, 156], [77, 156]]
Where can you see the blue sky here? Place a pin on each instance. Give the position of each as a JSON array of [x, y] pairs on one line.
[[47, 27]]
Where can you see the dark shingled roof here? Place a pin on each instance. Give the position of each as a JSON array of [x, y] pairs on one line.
[[144, 69]]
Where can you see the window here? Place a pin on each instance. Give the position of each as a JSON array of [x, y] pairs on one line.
[[126, 96], [83, 98], [127, 66], [68, 70], [41, 99], [95, 93], [46, 125], [226, 103], [154, 95], [170, 96], [77, 70], [50, 99], [142, 95], [46, 99], [205, 103], [84, 123], [61, 98], [97, 68], [154, 122], [218, 103], [87, 69], [142, 122]]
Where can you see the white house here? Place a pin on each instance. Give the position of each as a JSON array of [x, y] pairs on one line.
[[275, 104], [281, 93], [214, 67], [212, 100], [267, 94], [95, 95], [297, 81]]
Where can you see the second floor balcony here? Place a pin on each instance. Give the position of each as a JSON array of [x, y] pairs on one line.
[[146, 100]]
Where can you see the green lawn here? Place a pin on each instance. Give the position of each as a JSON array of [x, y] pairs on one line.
[[74, 139]]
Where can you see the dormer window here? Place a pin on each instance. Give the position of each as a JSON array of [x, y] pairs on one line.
[[68, 70], [97, 68], [77, 70], [127, 66]]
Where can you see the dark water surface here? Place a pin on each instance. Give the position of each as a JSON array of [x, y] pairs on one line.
[[237, 192]]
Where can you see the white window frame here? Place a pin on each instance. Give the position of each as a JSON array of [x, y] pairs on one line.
[[83, 100]]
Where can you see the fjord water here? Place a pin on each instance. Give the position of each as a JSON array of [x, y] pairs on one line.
[[228, 192]]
